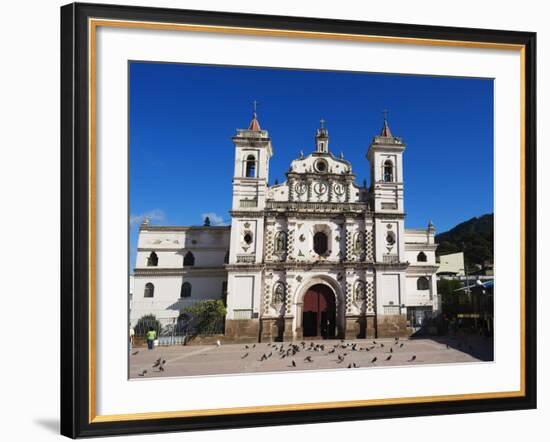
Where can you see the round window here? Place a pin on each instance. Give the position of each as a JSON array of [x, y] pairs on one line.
[[248, 237], [390, 238], [321, 166]]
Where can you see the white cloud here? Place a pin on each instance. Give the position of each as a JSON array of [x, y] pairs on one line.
[[215, 219], [153, 215]]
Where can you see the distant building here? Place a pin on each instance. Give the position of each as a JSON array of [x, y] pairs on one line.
[[315, 256], [486, 269], [451, 264], [473, 307]]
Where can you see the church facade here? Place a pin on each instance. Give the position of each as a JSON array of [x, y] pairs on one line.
[[316, 256]]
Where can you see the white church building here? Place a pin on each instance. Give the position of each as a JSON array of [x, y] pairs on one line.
[[315, 256]]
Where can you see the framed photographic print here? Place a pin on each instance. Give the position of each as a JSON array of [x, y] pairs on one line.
[[274, 220]]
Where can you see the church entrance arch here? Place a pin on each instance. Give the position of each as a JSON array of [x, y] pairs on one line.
[[319, 312]]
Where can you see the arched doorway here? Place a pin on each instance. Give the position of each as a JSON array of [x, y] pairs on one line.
[[319, 312]]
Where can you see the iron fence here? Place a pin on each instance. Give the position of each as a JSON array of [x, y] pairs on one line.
[[176, 331]]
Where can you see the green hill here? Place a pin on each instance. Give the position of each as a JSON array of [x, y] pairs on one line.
[[475, 234]]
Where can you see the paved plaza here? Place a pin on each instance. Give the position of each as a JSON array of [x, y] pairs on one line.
[[308, 355]]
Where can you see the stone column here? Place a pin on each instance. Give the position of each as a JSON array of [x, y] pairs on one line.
[[349, 239], [288, 334], [291, 239], [371, 327], [269, 238]]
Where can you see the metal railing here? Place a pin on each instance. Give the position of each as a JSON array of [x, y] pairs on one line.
[[242, 313], [390, 259], [176, 331], [392, 310], [248, 203]]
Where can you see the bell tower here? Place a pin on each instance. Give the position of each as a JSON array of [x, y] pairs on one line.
[[321, 138], [253, 151], [252, 154], [385, 155]]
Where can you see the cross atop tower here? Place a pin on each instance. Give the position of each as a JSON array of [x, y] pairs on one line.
[[322, 121], [254, 124], [386, 132]]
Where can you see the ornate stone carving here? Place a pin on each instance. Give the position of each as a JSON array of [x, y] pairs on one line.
[[369, 297], [349, 296], [369, 245]]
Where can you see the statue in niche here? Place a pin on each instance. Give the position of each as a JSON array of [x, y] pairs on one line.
[[279, 294], [280, 242], [359, 291]]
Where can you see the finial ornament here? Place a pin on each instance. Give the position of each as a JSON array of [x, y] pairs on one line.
[[254, 124], [255, 107], [386, 132], [322, 121]]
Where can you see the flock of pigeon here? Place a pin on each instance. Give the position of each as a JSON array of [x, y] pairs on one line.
[[341, 350], [159, 365]]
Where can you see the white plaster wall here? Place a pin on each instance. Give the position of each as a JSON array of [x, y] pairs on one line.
[[278, 192], [388, 286], [244, 292], [174, 258], [416, 297], [166, 302], [208, 244], [412, 256], [380, 233]]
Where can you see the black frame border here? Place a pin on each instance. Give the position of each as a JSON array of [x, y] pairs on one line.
[[75, 220]]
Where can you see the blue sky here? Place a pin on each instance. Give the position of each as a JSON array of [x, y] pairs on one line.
[[182, 118]]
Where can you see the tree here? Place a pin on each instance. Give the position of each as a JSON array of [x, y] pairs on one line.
[[146, 321], [446, 288], [206, 316]]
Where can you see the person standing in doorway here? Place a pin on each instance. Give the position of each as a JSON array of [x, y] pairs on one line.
[[151, 336]]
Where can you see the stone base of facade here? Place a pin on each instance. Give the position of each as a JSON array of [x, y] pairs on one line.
[[280, 329], [370, 327], [271, 329], [242, 330], [353, 327], [360, 327], [391, 326], [288, 334]]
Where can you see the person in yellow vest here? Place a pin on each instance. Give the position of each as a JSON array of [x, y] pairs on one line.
[[151, 336]]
